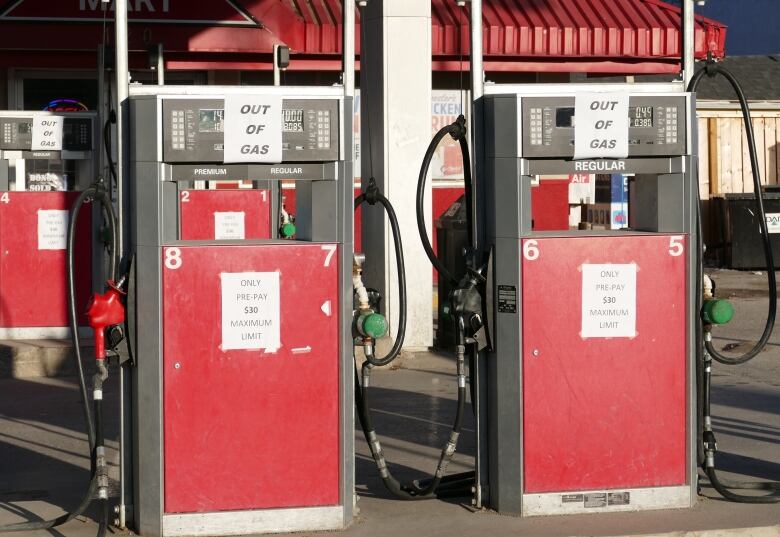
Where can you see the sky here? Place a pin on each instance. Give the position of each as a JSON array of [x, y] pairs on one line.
[[748, 32]]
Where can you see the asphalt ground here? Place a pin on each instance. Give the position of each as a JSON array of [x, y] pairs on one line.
[[44, 462]]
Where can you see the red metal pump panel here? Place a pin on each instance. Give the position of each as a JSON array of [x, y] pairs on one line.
[[207, 215], [33, 288], [604, 397], [250, 429]]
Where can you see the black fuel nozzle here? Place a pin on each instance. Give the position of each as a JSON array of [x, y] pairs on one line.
[[466, 299], [710, 448], [457, 128]]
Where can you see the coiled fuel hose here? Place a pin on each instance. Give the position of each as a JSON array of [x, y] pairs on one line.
[[428, 488], [709, 352], [414, 490], [94, 425]]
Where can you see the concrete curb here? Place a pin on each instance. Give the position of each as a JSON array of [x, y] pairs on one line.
[[21, 359], [763, 531]]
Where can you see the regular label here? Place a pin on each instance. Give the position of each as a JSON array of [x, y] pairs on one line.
[[52, 229], [608, 300], [253, 128], [250, 311], [47, 133], [773, 222], [228, 226], [601, 125]]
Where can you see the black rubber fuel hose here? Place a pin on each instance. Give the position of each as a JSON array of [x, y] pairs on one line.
[[400, 268], [713, 69], [97, 193], [413, 491], [706, 451], [458, 131]]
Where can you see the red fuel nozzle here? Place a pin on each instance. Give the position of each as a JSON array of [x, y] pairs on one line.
[[103, 311]]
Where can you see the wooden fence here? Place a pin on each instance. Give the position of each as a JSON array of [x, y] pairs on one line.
[[724, 161]]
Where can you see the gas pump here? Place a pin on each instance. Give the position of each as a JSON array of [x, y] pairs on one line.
[[242, 387], [594, 348], [45, 160]]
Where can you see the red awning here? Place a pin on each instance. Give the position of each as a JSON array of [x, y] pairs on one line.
[[596, 36], [607, 36]]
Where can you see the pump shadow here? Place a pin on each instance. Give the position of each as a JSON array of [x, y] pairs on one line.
[[756, 398], [419, 418], [44, 456], [412, 427], [27, 515]]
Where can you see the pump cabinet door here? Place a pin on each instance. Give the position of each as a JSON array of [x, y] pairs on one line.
[[251, 376], [604, 362]]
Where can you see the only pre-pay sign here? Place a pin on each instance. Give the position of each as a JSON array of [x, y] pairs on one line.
[[608, 300], [253, 128], [250, 311], [601, 125]]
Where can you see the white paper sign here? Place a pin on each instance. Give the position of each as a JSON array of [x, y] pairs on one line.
[[250, 311], [609, 300], [601, 125], [253, 128], [228, 226], [773, 222], [47, 133], [52, 229]]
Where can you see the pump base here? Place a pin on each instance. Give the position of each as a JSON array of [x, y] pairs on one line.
[[255, 521], [607, 501]]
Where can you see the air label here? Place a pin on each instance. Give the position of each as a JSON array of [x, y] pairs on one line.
[[608, 300], [250, 311], [228, 226], [253, 128], [52, 229], [601, 125], [47, 133]]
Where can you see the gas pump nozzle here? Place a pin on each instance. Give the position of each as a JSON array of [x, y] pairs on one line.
[[105, 311]]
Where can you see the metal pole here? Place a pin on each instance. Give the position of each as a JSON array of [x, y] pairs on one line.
[[348, 62], [477, 73], [102, 105], [122, 89], [277, 69], [688, 40], [477, 90], [160, 65]]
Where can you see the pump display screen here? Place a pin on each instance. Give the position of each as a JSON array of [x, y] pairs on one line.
[[564, 117], [211, 120], [292, 120], [25, 128], [638, 116]]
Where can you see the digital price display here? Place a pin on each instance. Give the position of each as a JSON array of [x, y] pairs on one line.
[[292, 120], [640, 116], [211, 120]]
